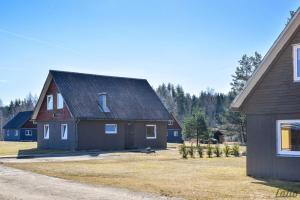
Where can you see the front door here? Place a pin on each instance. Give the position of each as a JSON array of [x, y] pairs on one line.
[[129, 137]]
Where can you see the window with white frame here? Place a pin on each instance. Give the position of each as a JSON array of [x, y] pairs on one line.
[[64, 131], [151, 131], [49, 102], [60, 101], [288, 137], [296, 62], [46, 131], [28, 132], [175, 133], [111, 128], [170, 122]]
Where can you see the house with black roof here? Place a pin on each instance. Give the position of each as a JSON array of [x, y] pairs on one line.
[[174, 130], [20, 128], [78, 111]]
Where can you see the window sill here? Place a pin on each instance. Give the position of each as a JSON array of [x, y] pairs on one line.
[[288, 155]]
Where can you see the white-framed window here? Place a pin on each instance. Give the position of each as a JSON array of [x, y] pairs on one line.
[[28, 132], [60, 101], [151, 131], [296, 61], [46, 131], [288, 137], [103, 102], [170, 122], [50, 102], [16, 133], [64, 131], [111, 128], [176, 134]]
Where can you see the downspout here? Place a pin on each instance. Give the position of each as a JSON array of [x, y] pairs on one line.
[[76, 134]]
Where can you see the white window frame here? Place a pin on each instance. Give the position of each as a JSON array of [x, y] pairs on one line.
[[295, 48], [111, 132], [170, 122], [278, 139], [60, 101], [177, 133], [64, 136], [46, 135], [28, 132], [50, 106], [151, 125]]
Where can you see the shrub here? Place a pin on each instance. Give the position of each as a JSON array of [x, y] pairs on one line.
[[227, 150], [200, 151], [217, 151], [209, 150], [192, 151], [183, 151], [236, 150]]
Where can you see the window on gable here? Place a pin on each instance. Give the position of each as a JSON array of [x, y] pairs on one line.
[[46, 131], [28, 133], [111, 128], [49, 102], [296, 57], [103, 102], [288, 137], [151, 131], [170, 122], [60, 101], [64, 131]]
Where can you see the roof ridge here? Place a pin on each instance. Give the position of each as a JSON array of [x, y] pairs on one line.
[[97, 75]]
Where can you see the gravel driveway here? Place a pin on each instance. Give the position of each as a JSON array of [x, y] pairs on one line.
[[18, 184]]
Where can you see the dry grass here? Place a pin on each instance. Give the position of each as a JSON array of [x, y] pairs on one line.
[[13, 148], [167, 174]]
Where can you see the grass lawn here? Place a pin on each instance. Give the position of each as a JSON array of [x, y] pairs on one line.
[[167, 174], [21, 148]]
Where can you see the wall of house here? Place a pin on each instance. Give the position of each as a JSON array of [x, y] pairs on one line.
[[262, 158], [91, 135], [55, 141], [173, 139], [24, 137], [55, 118], [10, 135], [276, 97]]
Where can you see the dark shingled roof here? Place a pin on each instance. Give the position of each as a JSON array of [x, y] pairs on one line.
[[19, 120], [127, 98]]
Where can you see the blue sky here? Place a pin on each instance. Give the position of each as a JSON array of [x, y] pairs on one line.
[[192, 43]]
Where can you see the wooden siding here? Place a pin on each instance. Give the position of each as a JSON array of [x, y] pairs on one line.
[[91, 135], [55, 114], [277, 92], [262, 158], [55, 141]]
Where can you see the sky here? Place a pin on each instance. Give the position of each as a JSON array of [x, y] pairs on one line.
[[194, 43]]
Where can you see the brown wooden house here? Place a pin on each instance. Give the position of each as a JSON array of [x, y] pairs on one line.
[[83, 111], [271, 102]]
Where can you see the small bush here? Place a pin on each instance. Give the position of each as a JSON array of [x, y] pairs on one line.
[[227, 150], [217, 151], [200, 151], [191, 151], [235, 150], [209, 151], [183, 151]]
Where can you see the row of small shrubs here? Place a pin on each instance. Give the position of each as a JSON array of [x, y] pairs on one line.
[[186, 151]]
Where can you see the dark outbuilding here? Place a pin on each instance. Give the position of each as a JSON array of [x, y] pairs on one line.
[[271, 102], [20, 128], [85, 111], [174, 130]]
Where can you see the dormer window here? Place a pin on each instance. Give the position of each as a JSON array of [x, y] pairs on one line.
[[49, 102], [296, 62], [103, 102]]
